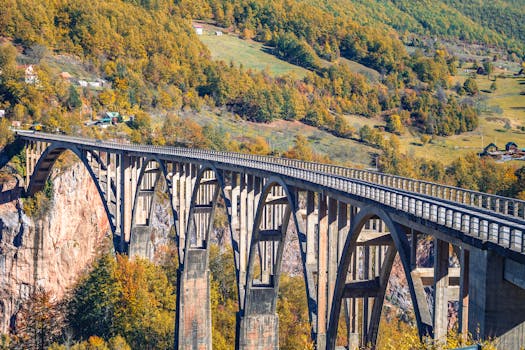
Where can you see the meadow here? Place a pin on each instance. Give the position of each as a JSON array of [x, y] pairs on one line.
[[503, 111]]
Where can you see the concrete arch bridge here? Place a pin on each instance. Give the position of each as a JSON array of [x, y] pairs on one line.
[[350, 225]]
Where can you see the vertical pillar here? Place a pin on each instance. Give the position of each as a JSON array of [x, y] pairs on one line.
[[496, 299], [441, 282], [125, 201], [322, 271], [366, 306], [463, 293], [310, 229], [241, 193], [413, 249], [333, 254], [193, 326]]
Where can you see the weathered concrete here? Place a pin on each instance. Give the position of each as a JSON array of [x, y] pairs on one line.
[[193, 330], [496, 306], [259, 332], [140, 244]]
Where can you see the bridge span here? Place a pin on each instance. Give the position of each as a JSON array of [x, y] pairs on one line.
[[350, 223]]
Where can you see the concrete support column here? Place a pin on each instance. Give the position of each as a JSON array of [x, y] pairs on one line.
[[259, 332], [463, 293], [126, 200], [322, 272], [441, 282], [140, 243], [193, 326], [496, 299]]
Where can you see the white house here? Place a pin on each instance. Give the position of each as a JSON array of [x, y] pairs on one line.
[[30, 75], [218, 33], [198, 29], [2, 113]]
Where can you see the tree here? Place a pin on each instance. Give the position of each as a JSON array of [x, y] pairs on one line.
[[394, 124], [73, 100], [470, 86], [131, 298], [39, 321], [92, 308], [489, 68], [301, 149]]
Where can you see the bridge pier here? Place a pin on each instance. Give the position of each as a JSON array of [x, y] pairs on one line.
[[193, 327], [258, 331], [496, 299]]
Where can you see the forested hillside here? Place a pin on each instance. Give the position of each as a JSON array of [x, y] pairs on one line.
[[154, 61], [502, 16]]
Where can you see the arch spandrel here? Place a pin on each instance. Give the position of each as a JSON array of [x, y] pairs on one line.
[[402, 247]]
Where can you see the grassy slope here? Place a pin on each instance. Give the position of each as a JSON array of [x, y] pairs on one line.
[[280, 135], [250, 54]]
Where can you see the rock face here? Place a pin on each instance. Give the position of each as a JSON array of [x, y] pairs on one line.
[[51, 252]]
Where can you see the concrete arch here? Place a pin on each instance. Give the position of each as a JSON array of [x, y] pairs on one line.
[[162, 173], [41, 173], [191, 225], [140, 179], [256, 236], [401, 244]]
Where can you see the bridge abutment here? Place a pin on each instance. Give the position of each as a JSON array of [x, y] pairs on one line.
[[193, 304], [496, 306]]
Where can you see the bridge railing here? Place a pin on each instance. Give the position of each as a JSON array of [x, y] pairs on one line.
[[480, 215], [506, 232], [495, 203]]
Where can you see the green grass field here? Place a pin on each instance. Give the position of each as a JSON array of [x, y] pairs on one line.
[[250, 54]]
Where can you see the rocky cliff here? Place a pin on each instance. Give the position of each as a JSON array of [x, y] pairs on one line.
[[54, 250]]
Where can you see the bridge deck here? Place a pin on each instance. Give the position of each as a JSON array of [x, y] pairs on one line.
[[491, 219]]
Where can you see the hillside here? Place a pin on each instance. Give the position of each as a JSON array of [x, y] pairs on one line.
[[494, 23], [346, 66]]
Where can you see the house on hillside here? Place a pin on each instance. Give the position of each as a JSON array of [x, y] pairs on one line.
[[2, 113], [218, 33], [65, 76], [30, 75], [198, 29], [491, 148], [511, 147]]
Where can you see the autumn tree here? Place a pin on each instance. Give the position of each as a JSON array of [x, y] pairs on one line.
[[470, 86], [39, 322], [131, 298]]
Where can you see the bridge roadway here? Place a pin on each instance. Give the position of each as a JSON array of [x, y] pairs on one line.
[[350, 224]]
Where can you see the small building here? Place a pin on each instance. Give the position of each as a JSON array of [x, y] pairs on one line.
[[218, 33], [511, 147], [16, 123], [65, 75], [30, 75], [198, 29], [491, 148], [2, 113]]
